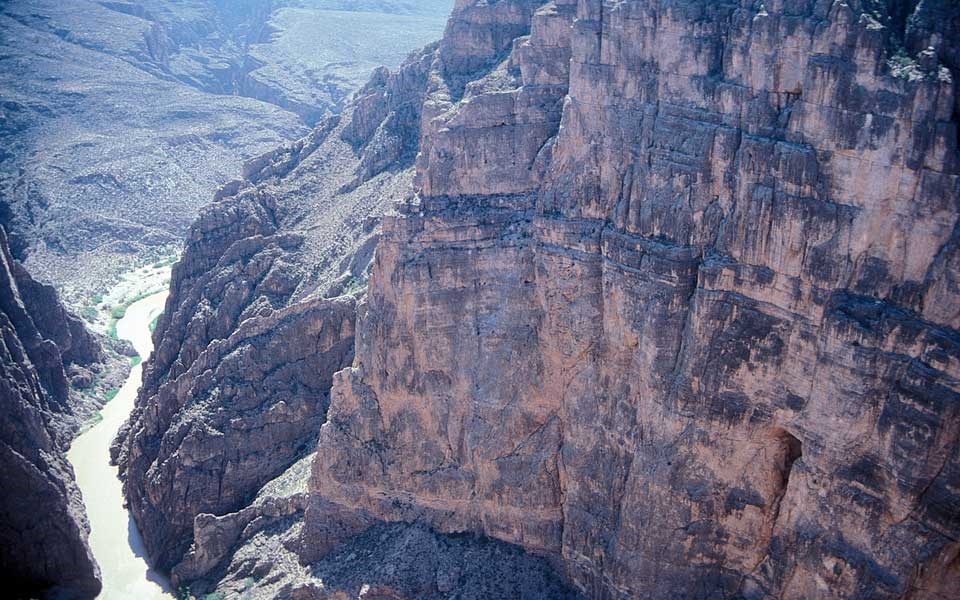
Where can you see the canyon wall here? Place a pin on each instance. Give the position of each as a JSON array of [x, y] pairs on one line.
[[259, 318], [675, 301], [668, 297], [217, 453], [43, 525]]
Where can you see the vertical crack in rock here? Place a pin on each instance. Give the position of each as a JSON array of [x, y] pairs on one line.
[[791, 450]]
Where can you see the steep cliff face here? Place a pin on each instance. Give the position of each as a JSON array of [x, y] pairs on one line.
[[676, 300], [259, 319], [43, 526]]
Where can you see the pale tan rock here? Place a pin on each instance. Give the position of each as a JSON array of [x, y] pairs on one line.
[[697, 334]]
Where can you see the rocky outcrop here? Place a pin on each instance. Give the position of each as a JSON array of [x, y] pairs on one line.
[[255, 553], [304, 217], [247, 407], [43, 526], [260, 316], [675, 301]]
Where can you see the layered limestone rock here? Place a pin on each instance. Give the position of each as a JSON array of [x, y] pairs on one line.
[[254, 553], [675, 301], [260, 316], [43, 525]]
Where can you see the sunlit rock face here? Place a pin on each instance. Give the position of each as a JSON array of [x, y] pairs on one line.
[[675, 301], [260, 316], [43, 525]]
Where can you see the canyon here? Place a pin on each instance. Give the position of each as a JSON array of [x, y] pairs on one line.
[[119, 119], [124, 570], [667, 295], [588, 299]]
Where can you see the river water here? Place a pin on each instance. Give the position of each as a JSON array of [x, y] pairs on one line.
[[114, 538]]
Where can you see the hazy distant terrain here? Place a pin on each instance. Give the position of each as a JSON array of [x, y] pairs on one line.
[[315, 55], [118, 120]]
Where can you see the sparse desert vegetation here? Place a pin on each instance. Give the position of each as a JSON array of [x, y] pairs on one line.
[[117, 167]]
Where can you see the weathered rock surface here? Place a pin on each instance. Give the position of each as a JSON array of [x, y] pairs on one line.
[[681, 311], [259, 318], [43, 526], [674, 303], [255, 553], [300, 227]]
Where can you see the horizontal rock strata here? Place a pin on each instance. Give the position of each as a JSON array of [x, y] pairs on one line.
[[675, 301], [669, 298]]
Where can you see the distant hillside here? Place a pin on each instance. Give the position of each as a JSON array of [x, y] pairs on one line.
[[118, 120]]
